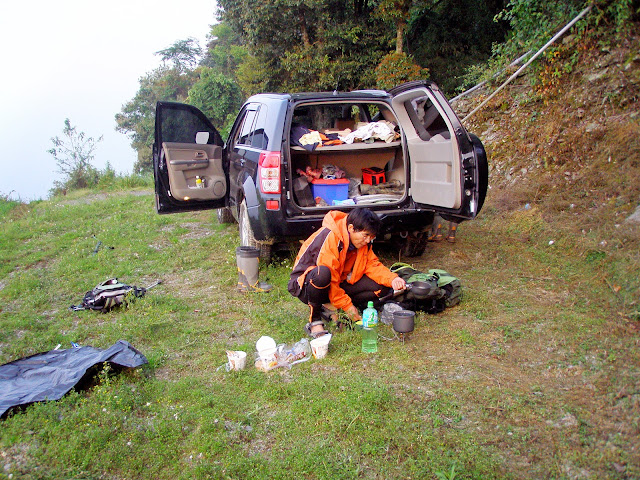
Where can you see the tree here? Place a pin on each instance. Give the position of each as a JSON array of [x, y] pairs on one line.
[[183, 55], [397, 13], [308, 44], [217, 96], [169, 82], [73, 153], [137, 117], [396, 69], [446, 37], [224, 50]]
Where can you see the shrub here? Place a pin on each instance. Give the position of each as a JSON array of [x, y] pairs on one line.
[[396, 69]]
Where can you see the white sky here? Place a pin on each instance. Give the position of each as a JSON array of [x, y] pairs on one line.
[[81, 60]]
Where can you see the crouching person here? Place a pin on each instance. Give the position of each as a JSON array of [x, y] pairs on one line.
[[337, 265]]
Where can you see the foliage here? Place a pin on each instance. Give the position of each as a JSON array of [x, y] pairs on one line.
[[397, 13], [225, 51], [308, 45], [533, 23], [446, 38], [110, 180], [217, 96], [618, 15], [7, 204], [183, 55], [308, 70], [137, 117], [451, 475], [396, 69], [73, 153], [253, 75]]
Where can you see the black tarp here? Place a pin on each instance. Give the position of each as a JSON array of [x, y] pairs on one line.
[[51, 375]]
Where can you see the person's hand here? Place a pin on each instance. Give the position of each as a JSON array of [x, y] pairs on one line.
[[398, 284], [353, 313]]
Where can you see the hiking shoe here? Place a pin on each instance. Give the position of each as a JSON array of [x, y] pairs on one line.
[[435, 235], [451, 236]]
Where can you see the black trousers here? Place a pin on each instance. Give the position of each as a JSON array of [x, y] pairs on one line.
[[315, 290]]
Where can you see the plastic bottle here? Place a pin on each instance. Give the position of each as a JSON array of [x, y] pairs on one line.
[[198, 182], [370, 329]]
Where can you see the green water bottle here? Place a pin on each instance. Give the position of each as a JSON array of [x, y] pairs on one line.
[[370, 329]]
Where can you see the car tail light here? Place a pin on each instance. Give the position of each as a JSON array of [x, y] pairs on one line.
[[269, 172], [273, 205]]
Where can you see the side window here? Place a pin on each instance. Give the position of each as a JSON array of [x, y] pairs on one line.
[[251, 131], [247, 128], [260, 139]]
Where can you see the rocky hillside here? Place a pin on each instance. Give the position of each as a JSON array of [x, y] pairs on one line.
[[564, 138]]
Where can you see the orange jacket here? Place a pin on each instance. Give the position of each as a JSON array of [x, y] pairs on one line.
[[328, 246]]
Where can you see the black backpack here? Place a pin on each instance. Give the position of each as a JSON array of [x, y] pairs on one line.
[[110, 294]]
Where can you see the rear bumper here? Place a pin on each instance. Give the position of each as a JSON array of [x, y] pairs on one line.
[[275, 225]]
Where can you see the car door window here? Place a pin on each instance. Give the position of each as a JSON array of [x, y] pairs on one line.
[[259, 138], [182, 126], [245, 133]]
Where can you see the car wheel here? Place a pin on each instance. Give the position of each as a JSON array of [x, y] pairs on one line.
[[247, 239], [225, 215], [414, 245]]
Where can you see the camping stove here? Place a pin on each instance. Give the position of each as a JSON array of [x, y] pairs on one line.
[[403, 323]]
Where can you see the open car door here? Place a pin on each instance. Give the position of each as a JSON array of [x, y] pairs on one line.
[[448, 167], [188, 159]]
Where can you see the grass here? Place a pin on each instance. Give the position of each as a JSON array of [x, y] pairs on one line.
[[523, 379]]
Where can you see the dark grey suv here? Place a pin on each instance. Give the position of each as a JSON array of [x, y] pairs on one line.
[[403, 153]]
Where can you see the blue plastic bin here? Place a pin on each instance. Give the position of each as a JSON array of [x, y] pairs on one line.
[[330, 190]]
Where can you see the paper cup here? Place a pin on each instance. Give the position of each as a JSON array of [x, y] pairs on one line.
[[320, 346], [237, 359]]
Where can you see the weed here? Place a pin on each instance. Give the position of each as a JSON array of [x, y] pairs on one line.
[[450, 475]]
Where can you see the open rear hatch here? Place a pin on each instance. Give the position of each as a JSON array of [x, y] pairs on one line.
[[408, 148]]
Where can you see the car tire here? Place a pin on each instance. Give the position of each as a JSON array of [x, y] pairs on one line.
[[414, 245], [247, 239], [225, 215]]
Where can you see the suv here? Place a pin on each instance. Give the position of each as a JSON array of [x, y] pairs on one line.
[[264, 177]]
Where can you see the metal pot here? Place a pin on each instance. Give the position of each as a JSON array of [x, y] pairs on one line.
[[420, 290], [404, 321]]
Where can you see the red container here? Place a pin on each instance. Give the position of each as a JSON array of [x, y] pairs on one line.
[[373, 176]]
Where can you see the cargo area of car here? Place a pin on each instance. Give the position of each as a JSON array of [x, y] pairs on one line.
[[346, 154]]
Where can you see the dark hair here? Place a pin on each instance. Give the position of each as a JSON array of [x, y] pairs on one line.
[[364, 219]]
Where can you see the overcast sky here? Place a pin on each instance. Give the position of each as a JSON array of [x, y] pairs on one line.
[[80, 60]]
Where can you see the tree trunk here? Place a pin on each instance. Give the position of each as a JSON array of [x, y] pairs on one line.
[[400, 26], [304, 32]]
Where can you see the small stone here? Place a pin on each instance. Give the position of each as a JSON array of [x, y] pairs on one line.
[[634, 217], [591, 127]]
